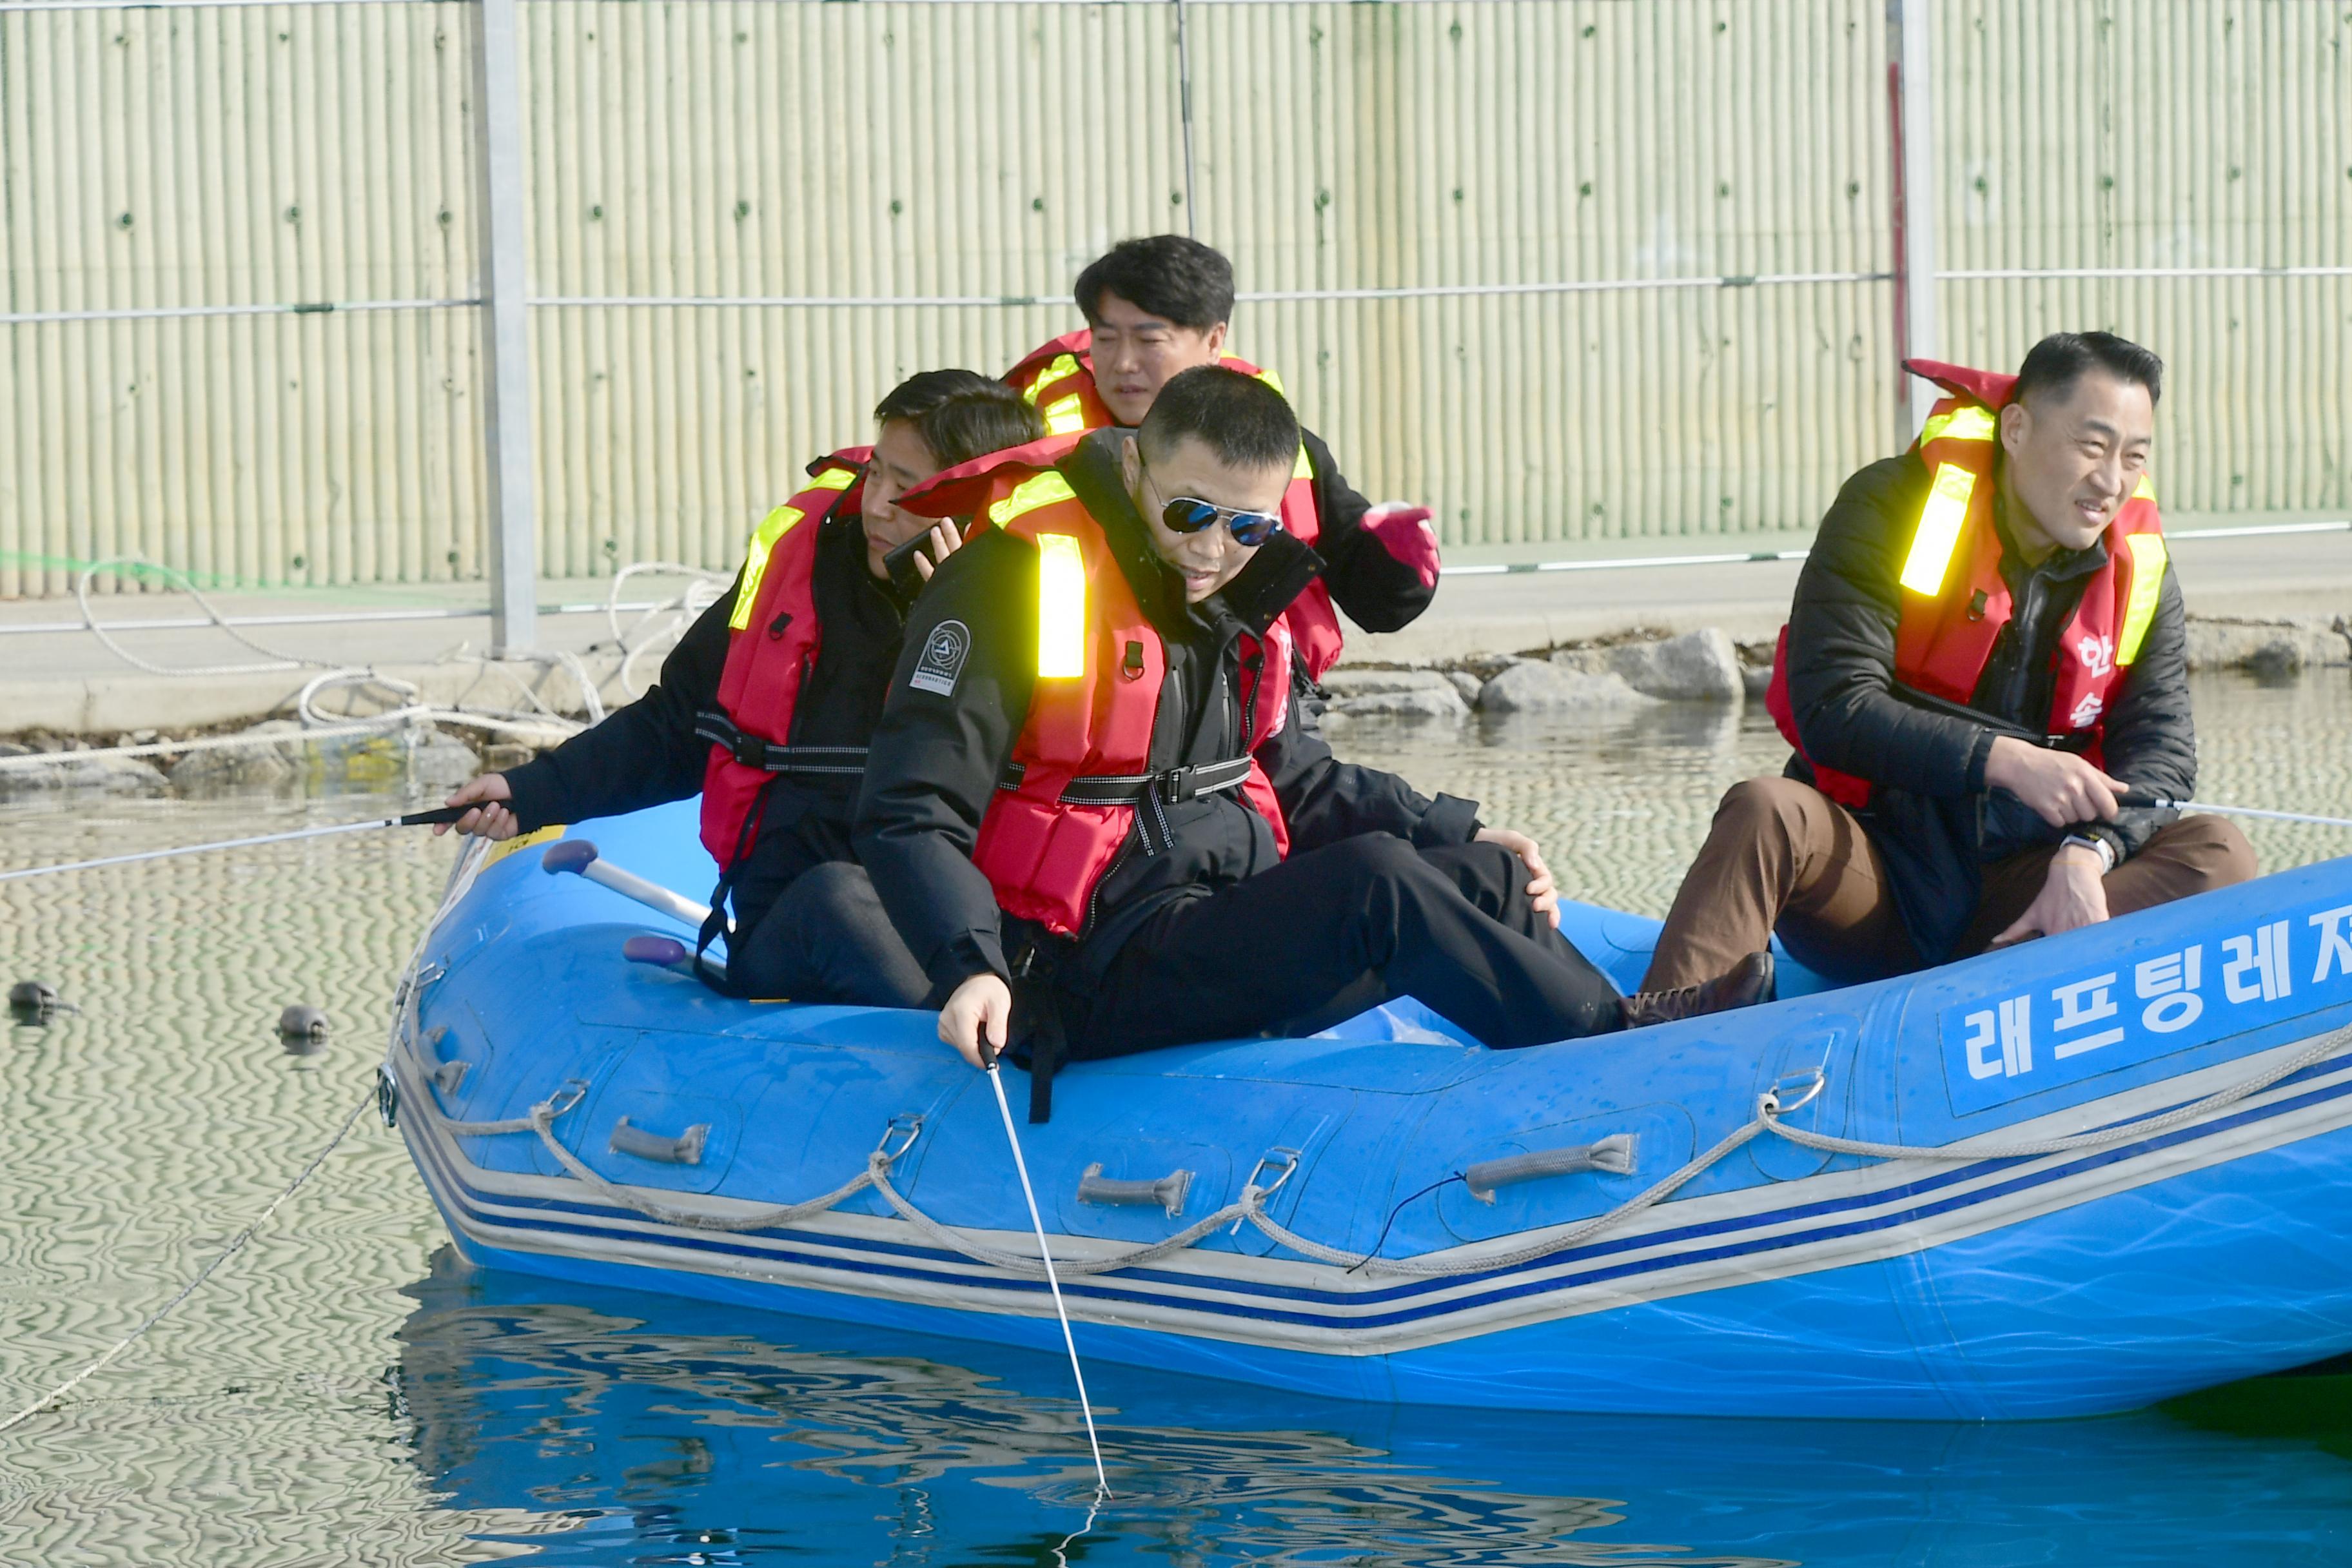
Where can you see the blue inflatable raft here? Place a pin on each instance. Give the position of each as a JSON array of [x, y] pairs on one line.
[[2078, 1176]]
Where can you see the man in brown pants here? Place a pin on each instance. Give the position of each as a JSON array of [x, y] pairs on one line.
[[1986, 651]]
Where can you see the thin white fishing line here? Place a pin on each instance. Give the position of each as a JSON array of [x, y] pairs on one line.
[[223, 1255], [1021, 1167], [287, 837]]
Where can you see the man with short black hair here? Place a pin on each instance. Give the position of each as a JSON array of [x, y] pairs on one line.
[[1158, 306], [1986, 650], [1086, 779], [769, 719]]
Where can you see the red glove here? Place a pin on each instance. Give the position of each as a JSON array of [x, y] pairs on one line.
[[1404, 531]]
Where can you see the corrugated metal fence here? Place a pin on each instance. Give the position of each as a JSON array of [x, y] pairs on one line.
[[1492, 174]]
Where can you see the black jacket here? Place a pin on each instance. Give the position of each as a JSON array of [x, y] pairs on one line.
[[648, 752], [937, 756], [1377, 591], [1932, 819]]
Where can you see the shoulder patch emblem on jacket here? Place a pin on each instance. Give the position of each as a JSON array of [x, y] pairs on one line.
[[943, 655]]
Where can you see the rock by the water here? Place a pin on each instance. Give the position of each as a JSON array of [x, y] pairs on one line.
[[1347, 683], [2283, 647], [1467, 684], [1696, 667], [1537, 687], [442, 760], [1440, 702], [281, 753], [89, 776]]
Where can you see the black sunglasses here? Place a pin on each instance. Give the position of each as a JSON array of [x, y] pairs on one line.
[[1190, 514]]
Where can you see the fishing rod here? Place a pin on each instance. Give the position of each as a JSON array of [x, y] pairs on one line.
[[411, 820], [1927, 702], [2141, 797]]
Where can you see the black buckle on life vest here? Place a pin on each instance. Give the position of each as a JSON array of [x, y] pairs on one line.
[[1976, 602]]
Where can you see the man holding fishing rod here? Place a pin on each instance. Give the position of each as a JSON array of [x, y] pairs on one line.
[[1087, 798], [1985, 677], [766, 704]]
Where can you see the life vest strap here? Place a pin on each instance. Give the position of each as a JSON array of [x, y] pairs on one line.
[[833, 762], [1170, 785]]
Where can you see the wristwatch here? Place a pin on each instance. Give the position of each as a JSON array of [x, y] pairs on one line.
[[2096, 845]]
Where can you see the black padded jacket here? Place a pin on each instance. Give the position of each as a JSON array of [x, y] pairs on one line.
[[1931, 818]]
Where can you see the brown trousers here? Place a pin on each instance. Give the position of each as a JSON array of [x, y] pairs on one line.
[[1784, 856]]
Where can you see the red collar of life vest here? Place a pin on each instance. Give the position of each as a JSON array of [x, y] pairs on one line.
[[773, 642], [1954, 600], [1056, 824]]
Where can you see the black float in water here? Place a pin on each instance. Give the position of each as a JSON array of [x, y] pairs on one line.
[[302, 1024], [37, 1001]]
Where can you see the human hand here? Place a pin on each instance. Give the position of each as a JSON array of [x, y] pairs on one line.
[[493, 821], [1404, 531], [2073, 894], [1542, 892], [2060, 787], [946, 540], [981, 1009]]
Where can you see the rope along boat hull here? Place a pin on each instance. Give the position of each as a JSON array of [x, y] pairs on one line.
[[2077, 1177]]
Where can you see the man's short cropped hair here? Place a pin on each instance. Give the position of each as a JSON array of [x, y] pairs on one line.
[[1166, 275], [962, 415], [2056, 363], [1240, 419]]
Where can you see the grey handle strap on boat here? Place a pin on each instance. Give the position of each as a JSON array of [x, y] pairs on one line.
[[1167, 1193], [686, 1149], [1613, 1154]]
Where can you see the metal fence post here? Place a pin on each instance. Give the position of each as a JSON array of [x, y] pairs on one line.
[[513, 556], [1912, 103]]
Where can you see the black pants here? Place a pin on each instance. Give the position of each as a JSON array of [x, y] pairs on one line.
[[825, 939], [1450, 927]]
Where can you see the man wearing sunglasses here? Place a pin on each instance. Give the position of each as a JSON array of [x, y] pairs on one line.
[[1085, 783]]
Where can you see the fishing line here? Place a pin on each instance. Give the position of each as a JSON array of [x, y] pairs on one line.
[[223, 1255], [412, 819], [1005, 1108]]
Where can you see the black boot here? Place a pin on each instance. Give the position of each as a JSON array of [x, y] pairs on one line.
[[1745, 985]]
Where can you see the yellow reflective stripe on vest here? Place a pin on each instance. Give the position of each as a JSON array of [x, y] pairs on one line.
[[1065, 415], [1271, 379], [2146, 489], [773, 527], [1305, 467], [1062, 365], [1061, 608], [2148, 556], [1970, 424], [1940, 522], [1038, 490], [834, 480]]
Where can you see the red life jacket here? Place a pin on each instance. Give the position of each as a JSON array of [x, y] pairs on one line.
[[1081, 769], [1955, 603], [772, 643], [1059, 377]]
